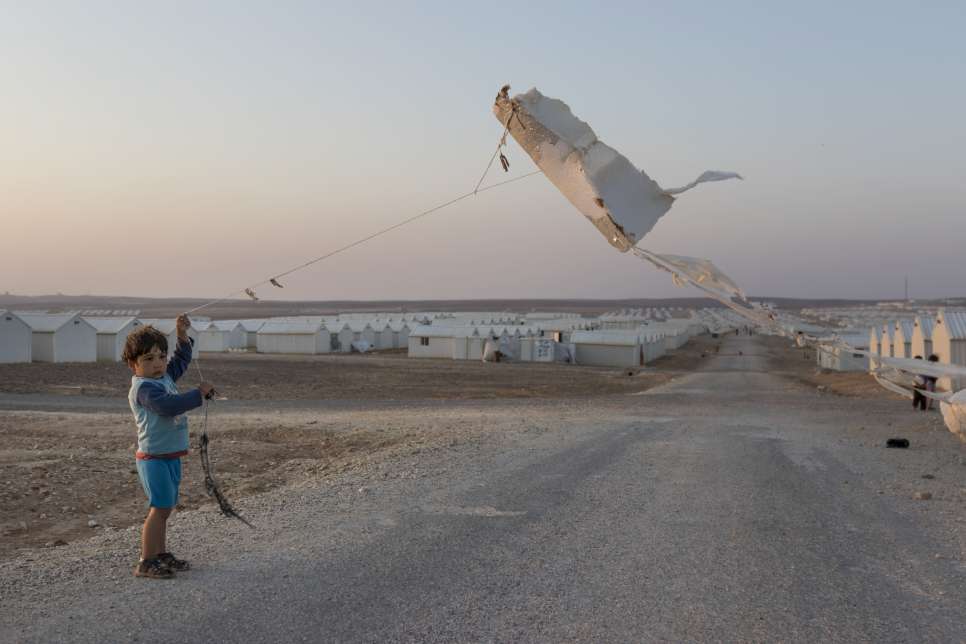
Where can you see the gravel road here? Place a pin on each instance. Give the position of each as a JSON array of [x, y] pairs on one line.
[[728, 505]]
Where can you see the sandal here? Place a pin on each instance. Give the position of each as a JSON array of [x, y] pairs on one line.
[[171, 562], [153, 569]]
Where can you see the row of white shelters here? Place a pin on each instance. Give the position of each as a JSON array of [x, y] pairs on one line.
[[65, 337], [15, 338], [943, 335]]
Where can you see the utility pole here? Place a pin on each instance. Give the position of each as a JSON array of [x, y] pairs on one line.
[[907, 288]]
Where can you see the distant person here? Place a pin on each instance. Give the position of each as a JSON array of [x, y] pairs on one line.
[[162, 435], [931, 380], [918, 400]]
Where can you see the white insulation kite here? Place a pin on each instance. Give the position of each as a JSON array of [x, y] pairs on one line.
[[620, 200]]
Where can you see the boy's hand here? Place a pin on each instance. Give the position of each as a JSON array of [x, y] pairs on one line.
[[207, 391], [183, 324]]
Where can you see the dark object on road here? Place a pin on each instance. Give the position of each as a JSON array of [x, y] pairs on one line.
[[897, 442]]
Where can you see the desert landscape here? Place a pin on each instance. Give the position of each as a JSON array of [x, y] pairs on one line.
[[68, 438]]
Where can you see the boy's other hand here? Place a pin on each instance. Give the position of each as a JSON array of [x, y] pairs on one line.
[[206, 389], [183, 324]]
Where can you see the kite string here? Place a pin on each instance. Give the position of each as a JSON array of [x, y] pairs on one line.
[[499, 145], [365, 239]]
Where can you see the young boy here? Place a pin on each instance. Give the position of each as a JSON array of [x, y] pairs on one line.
[[162, 435]]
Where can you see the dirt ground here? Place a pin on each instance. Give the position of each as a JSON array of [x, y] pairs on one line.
[[378, 376], [61, 470]]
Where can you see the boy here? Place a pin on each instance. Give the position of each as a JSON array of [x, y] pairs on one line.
[[162, 435]]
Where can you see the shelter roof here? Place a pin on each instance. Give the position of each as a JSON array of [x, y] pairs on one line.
[[226, 325], [252, 325], [46, 322], [925, 323], [303, 327], [955, 322], [906, 327], [111, 325], [166, 327]]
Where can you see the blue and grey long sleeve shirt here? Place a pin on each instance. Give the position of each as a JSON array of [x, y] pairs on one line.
[[159, 408]]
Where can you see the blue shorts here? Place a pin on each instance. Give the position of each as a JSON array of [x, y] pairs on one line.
[[160, 478]]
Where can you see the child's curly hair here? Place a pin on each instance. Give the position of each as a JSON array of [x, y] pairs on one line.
[[141, 341]]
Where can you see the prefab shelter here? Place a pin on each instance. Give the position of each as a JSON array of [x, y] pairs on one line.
[[385, 336], [61, 338], [427, 341], [835, 357], [607, 348], [251, 327], [463, 340], [887, 340], [237, 336], [949, 343], [211, 338], [362, 331], [544, 349], [400, 336], [111, 335], [875, 340], [15, 338], [922, 336], [344, 338], [902, 340], [305, 337]]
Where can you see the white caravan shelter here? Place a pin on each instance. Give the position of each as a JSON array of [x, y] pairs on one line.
[[837, 358], [400, 335], [237, 336], [362, 331], [427, 341], [306, 337], [922, 336], [607, 348], [61, 338], [887, 341], [211, 338], [385, 337], [111, 335], [902, 340], [251, 328], [15, 338], [949, 343], [875, 340]]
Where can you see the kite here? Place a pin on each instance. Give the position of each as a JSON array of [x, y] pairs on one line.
[[620, 200]]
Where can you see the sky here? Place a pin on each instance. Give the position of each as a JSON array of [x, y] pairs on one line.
[[191, 149]]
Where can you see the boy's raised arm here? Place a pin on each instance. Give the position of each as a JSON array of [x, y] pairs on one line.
[[182, 354], [181, 359], [154, 397]]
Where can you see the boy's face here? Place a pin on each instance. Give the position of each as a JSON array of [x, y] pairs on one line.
[[151, 364]]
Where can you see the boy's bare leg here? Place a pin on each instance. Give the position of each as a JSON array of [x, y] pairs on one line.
[[153, 532]]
